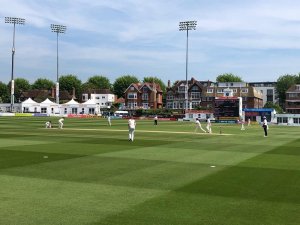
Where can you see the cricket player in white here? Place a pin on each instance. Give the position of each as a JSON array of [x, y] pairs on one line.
[[208, 126], [109, 120], [48, 124], [198, 126], [61, 123], [131, 128], [242, 122]]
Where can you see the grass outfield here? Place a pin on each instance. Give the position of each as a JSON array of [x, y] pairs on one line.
[[89, 173]]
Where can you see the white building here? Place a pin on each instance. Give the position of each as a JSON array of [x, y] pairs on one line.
[[30, 106], [267, 89], [48, 107], [104, 98]]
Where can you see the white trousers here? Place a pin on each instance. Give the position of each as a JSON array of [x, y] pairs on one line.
[[131, 134]]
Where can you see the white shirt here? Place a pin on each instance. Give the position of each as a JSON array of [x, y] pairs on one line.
[[61, 120], [208, 122], [131, 123], [198, 123], [265, 122]]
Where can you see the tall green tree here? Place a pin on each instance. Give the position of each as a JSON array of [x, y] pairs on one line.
[[21, 85], [4, 93], [156, 80], [271, 105], [228, 77], [99, 82], [284, 82], [43, 84], [122, 83], [68, 82]]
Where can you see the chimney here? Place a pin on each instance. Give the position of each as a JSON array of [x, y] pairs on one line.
[[169, 83], [193, 80], [53, 92], [73, 95]]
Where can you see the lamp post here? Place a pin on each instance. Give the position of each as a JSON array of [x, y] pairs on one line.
[[186, 26], [14, 21], [57, 29]]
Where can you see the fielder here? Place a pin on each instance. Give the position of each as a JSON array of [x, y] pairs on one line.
[[131, 128], [198, 126], [109, 121], [61, 123], [48, 124], [208, 126]]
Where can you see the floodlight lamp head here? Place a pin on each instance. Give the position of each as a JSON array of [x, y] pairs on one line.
[[187, 25], [58, 28], [15, 20]]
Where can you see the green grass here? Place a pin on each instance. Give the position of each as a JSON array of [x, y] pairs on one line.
[[89, 173]]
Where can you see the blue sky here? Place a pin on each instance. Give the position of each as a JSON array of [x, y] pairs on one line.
[[258, 40]]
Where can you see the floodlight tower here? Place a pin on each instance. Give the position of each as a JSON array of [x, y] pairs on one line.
[[14, 21], [186, 26], [57, 29]]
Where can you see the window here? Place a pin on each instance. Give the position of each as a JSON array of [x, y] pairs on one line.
[[234, 90], [132, 105], [269, 91], [181, 89], [244, 90], [74, 110], [91, 111], [269, 98], [131, 88], [103, 97], [210, 90], [195, 104], [296, 120], [65, 111], [169, 105], [145, 89], [293, 95], [195, 95], [220, 90], [43, 110], [145, 105], [84, 97], [132, 95], [145, 96], [170, 97], [195, 88], [282, 120]]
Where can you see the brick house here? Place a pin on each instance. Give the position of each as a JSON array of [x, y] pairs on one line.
[[143, 96], [292, 101], [203, 94]]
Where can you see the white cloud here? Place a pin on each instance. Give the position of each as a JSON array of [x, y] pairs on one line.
[[140, 35]]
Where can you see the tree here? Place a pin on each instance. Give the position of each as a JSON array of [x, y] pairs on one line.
[[156, 80], [21, 85], [122, 83], [271, 105], [283, 84], [68, 82], [4, 93], [228, 77], [99, 82], [43, 84]]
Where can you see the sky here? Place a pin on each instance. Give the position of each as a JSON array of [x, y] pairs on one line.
[[257, 40]]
